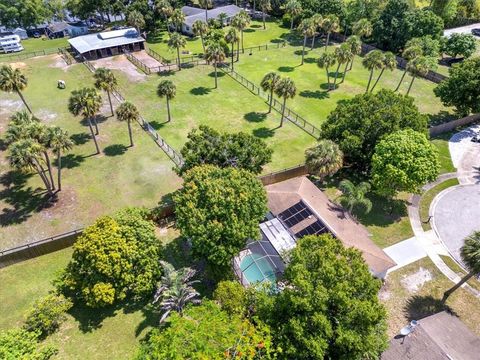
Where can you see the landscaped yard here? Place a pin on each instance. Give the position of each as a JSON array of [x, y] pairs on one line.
[[441, 143]]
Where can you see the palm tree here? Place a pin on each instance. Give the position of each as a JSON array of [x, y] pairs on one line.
[[167, 89], [25, 154], [293, 8], [324, 159], [355, 47], [342, 56], [215, 54], [330, 24], [86, 102], [317, 20], [222, 19], [353, 196], [348, 56], [325, 61], [129, 113], [177, 41], [265, 5], [269, 83], [200, 28], [373, 60], [241, 22], [285, 89], [177, 18], [470, 254], [363, 28], [13, 80], [231, 38], [420, 67], [135, 19], [410, 53], [175, 289], [165, 9], [58, 141], [205, 4], [105, 80], [389, 62], [307, 28]]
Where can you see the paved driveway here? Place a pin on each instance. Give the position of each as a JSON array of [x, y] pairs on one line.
[[461, 30], [405, 252], [466, 155], [456, 214]]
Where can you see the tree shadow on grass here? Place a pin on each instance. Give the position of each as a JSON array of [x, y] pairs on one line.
[[249, 30], [277, 41], [299, 52], [70, 161], [219, 74], [115, 150], [263, 132], [286, 68], [310, 60], [166, 73], [418, 307], [256, 26], [384, 211], [80, 138], [317, 94], [90, 319], [200, 90], [255, 116], [98, 118], [157, 125]]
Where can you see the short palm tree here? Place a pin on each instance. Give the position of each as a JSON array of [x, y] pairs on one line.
[[59, 141], [285, 89], [265, 5], [86, 102], [389, 63], [374, 60], [177, 41], [355, 47], [175, 290], [324, 159], [129, 113], [231, 37], [18, 127], [470, 254], [38, 132], [363, 28], [205, 4], [177, 18], [135, 19], [165, 9], [105, 80], [222, 19], [330, 24], [307, 29], [269, 83], [13, 80], [215, 54], [293, 8], [317, 21], [200, 28], [167, 89], [325, 61], [342, 56], [420, 66], [353, 196]]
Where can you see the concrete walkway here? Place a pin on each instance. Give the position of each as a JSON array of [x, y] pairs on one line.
[[405, 252]]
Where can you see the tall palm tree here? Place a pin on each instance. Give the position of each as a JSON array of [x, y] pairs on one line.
[[39, 132], [355, 47], [307, 29], [129, 113], [177, 41], [215, 54], [363, 28], [167, 89], [330, 24], [175, 290], [353, 196], [293, 8], [325, 61], [374, 60], [86, 102], [470, 254], [13, 80], [177, 18], [241, 22], [389, 63], [200, 28], [165, 9], [18, 126], [265, 5], [25, 154], [324, 159], [317, 21], [231, 37], [105, 80], [205, 4], [348, 56], [420, 66], [410, 53], [59, 141], [285, 89], [135, 19], [269, 83], [342, 56]]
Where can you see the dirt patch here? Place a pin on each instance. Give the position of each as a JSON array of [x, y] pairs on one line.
[[45, 115], [9, 106], [59, 63], [384, 294], [18, 65], [415, 281], [121, 63], [146, 59]]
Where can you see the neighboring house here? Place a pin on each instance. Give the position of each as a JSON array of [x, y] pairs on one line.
[[438, 337], [22, 33], [193, 14], [298, 208], [62, 29], [108, 43], [10, 42]]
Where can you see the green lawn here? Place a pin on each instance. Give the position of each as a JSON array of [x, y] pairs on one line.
[[428, 197], [452, 264], [93, 185], [31, 45], [441, 143]]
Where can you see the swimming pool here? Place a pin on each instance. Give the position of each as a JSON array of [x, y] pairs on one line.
[[257, 271]]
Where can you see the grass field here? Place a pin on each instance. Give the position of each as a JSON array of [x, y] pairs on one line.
[[31, 45], [93, 185]]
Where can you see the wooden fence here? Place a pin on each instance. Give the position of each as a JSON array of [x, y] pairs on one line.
[[452, 125], [137, 62], [285, 174], [66, 56], [24, 56]]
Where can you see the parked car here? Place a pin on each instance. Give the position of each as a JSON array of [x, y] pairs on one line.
[[36, 35], [476, 32], [476, 138]]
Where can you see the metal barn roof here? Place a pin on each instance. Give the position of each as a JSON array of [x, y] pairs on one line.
[[105, 40]]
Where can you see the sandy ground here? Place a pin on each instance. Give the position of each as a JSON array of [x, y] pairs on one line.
[[121, 63], [147, 59], [415, 281]]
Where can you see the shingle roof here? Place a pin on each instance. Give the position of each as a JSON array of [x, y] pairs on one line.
[[285, 194], [230, 10], [105, 40]]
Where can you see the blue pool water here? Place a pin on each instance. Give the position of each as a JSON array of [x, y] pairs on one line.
[[259, 271]]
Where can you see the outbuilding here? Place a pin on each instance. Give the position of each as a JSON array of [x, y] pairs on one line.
[[193, 14], [62, 29]]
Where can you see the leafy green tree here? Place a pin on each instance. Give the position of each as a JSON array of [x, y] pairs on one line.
[[200, 28], [363, 28], [22, 344], [461, 88], [114, 259], [13, 80], [324, 159], [269, 83], [231, 296], [207, 332], [293, 8], [285, 89], [59, 141], [330, 24], [389, 62], [205, 4], [218, 210], [23, 13], [86, 102], [265, 5], [215, 54], [167, 89], [357, 124], [404, 161], [129, 113], [307, 29], [207, 146], [177, 18], [105, 80], [428, 45], [329, 308], [354, 198], [177, 41], [423, 22], [389, 30], [461, 44], [166, 10], [374, 60], [470, 254], [446, 9], [325, 61], [420, 66], [135, 19], [231, 37]]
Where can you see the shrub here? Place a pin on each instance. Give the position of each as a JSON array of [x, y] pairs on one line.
[[20, 344], [231, 296]]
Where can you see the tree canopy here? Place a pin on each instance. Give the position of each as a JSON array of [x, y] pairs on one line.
[[23, 344], [218, 210], [460, 44]]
